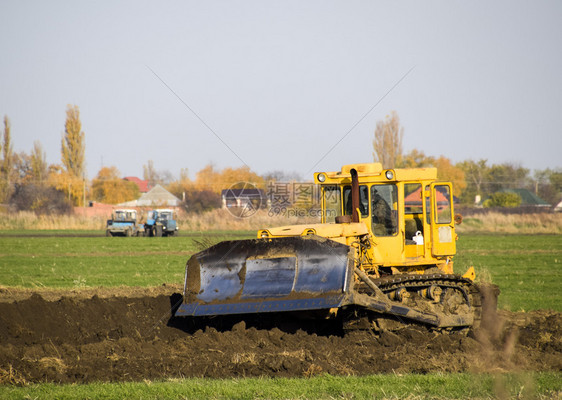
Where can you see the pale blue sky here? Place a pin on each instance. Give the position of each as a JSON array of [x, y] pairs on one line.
[[281, 82]]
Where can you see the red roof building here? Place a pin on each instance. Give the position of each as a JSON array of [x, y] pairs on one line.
[[142, 185], [413, 202]]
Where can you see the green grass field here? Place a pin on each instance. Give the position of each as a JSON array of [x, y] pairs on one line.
[[58, 260], [412, 386], [527, 268]]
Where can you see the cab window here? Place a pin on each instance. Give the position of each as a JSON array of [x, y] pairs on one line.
[[442, 197], [363, 200], [332, 203], [413, 210], [413, 198], [384, 206]]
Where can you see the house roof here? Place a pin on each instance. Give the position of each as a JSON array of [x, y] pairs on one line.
[[528, 198], [415, 197], [156, 197], [142, 184]]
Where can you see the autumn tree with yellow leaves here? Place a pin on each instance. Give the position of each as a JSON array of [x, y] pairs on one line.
[[214, 180], [209, 178], [108, 187], [73, 143], [6, 165], [71, 179], [446, 171], [204, 192]]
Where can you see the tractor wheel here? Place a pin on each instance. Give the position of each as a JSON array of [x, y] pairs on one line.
[[158, 231], [108, 233], [128, 233]]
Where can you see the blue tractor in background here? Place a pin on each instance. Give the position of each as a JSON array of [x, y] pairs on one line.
[[160, 223]]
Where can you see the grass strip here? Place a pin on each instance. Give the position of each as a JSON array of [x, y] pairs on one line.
[[544, 385]]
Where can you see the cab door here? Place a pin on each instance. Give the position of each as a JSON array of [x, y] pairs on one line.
[[385, 227], [442, 226]]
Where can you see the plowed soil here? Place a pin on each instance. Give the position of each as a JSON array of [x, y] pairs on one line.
[[129, 334]]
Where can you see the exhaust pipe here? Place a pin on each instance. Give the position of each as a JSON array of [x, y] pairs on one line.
[[355, 217]]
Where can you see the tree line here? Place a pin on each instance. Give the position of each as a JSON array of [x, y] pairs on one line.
[[27, 182], [474, 181]]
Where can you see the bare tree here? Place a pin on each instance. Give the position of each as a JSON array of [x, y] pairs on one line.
[[387, 144], [154, 177], [22, 169], [149, 173]]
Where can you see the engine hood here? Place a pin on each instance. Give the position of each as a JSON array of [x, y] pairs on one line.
[[329, 231]]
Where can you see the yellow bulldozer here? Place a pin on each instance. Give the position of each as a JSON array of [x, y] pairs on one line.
[[382, 255]]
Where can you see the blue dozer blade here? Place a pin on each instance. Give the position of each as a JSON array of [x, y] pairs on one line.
[[267, 275]]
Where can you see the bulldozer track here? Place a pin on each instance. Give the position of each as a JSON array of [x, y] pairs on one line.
[[469, 290]]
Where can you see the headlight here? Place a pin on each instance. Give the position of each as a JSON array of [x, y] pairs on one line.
[[321, 177], [389, 174]]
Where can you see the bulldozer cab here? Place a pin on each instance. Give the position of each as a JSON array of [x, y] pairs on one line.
[[408, 213]]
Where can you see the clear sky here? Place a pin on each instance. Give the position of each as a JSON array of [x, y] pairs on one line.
[[281, 82]]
